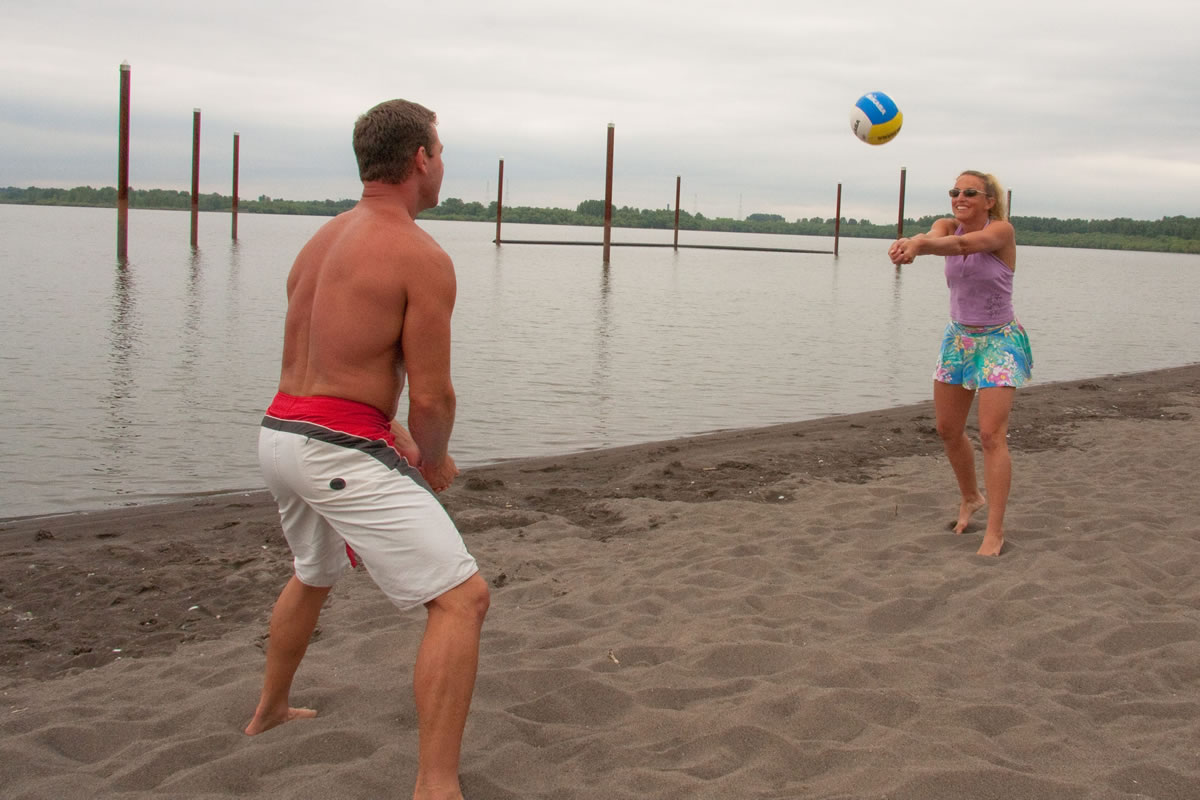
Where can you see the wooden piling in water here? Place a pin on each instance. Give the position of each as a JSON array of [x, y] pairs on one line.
[[499, 201], [677, 181], [195, 175], [1008, 204], [837, 221], [608, 174], [236, 147], [607, 243], [900, 222], [123, 168]]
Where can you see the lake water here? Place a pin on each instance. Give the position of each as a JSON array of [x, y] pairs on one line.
[[140, 384]]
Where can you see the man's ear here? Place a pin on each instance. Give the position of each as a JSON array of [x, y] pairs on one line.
[[421, 159]]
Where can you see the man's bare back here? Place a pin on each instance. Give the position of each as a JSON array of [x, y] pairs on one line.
[[369, 303], [347, 297]]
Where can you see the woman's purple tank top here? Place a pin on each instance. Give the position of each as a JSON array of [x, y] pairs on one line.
[[980, 288]]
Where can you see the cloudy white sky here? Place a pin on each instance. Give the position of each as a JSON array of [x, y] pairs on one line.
[[1082, 109]]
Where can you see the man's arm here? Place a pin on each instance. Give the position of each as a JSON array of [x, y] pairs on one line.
[[425, 346]]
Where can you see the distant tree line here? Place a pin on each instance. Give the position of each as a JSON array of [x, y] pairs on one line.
[[1177, 234], [1169, 234], [166, 199]]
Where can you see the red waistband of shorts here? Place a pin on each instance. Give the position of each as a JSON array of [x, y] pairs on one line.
[[336, 413]]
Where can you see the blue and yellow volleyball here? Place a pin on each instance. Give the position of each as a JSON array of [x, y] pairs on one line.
[[875, 118]]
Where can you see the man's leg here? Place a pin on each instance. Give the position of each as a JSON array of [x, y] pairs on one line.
[[292, 623], [443, 681]]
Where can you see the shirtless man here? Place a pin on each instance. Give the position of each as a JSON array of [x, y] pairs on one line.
[[369, 301]]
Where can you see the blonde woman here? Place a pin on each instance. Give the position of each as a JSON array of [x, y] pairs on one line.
[[985, 350]]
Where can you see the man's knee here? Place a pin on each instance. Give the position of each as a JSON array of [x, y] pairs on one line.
[[470, 599], [305, 593]]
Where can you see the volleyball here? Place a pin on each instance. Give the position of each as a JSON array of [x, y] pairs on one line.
[[875, 118]]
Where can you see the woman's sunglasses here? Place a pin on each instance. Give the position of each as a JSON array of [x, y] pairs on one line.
[[967, 192]]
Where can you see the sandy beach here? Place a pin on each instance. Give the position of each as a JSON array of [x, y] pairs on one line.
[[772, 613]]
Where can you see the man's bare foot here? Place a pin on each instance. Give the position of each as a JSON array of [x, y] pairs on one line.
[[452, 792], [966, 510], [993, 543], [258, 725]]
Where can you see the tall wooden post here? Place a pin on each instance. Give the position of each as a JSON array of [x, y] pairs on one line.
[[123, 168], [499, 201], [837, 222], [900, 222], [195, 174], [608, 174], [236, 147], [677, 212], [1008, 204]]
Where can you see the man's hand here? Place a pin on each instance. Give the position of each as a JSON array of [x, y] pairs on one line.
[[440, 476], [405, 444]]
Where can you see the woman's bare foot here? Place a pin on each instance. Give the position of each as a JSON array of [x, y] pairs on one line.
[[265, 723], [966, 510], [993, 543]]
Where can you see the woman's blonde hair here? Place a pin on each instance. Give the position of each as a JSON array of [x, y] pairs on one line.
[[999, 209]]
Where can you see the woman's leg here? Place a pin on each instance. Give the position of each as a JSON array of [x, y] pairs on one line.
[[995, 404], [951, 404]]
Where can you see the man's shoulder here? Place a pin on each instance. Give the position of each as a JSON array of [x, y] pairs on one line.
[[414, 245], [392, 224], [390, 254]]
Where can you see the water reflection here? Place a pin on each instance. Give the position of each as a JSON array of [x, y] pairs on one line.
[[602, 369], [233, 287], [191, 342], [123, 339], [895, 307], [895, 329]]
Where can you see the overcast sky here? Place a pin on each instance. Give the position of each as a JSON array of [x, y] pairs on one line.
[[1082, 109]]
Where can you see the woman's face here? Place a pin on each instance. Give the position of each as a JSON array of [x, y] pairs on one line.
[[967, 207]]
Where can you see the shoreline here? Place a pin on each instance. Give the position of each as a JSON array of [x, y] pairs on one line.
[[258, 494], [760, 613]]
